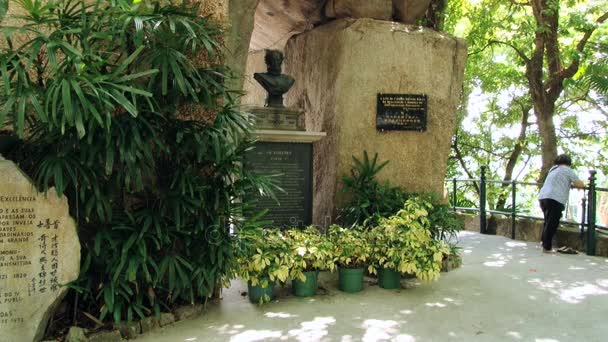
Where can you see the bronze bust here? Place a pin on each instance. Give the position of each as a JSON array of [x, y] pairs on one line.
[[275, 83]]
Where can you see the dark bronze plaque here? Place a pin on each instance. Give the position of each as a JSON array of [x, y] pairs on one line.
[[294, 164], [401, 112]]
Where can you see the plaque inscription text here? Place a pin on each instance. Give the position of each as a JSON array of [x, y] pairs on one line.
[[401, 112]]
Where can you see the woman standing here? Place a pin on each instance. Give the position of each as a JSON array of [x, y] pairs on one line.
[[554, 194]]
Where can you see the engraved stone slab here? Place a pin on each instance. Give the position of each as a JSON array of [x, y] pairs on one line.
[[39, 253], [291, 166]]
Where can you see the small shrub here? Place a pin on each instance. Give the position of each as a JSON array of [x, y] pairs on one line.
[[264, 257], [311, 250], [369, 200], [404, 243], [351, 247]]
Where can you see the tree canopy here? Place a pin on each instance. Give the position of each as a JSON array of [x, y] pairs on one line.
[[535, 85]]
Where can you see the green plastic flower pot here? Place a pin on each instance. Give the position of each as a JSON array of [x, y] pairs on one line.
[[389, 279], [350, 279], [256, 293], [7, 142], [308, 287]]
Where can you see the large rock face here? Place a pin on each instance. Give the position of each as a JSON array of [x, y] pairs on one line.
[[341, 67], [241, 15], [39, 253], [373, 9], [409, 11]]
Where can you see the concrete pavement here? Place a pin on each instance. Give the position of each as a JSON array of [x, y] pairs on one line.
[[505, 291]]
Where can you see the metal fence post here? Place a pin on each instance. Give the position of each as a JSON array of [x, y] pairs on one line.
[[454, 194], [482, 202], [583, 216], [591, 203], [513, 211]]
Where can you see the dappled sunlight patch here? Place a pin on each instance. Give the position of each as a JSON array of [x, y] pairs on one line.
[[498, 260], [577, 293], [498, 263], [404, 338], [602, 282], [346, 338], [255, 335], [572, 293], [279, 315], [376, 330], [436, 305], [406, 312], [576, 268], [514, 244], [190, 339], [514, 334], [224, 329], [312, 330]]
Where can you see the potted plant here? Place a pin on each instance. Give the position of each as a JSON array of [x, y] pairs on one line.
[[312, 252], [452, 260], [263, 259], [351, 253], [403, 243], [8, 140]]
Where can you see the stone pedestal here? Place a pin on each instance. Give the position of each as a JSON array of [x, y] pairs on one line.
[[286, 119], [340, 68], [284, 151]]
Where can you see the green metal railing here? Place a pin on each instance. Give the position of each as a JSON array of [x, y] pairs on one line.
[[588, 224]]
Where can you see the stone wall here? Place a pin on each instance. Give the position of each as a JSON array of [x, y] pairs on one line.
[[254, 94], [340, 68], [241, 15], [531, 230]]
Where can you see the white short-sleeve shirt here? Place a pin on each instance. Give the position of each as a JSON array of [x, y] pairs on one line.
[[558, 183]]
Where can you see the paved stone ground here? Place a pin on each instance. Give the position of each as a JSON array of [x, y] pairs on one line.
[[506, 291]]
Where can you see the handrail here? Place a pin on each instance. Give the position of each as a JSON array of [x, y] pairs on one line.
[[587, 223]]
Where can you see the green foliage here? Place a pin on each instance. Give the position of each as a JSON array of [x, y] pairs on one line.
[[404, 242], [497, 99], [311, 250], [369, 199], [372, 201], [264, 257], [267, 256], [351, 247], [3, 9], [444, 224], [596, 74], [97, 89]]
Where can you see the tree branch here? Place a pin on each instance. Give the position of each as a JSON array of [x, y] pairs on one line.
[[518, 51], [572, 69], [523, 3], [460, 159]]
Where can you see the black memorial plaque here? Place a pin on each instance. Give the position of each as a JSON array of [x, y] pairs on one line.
[[401, 112], [293, 162]]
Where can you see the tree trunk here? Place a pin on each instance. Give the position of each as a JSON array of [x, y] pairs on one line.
[[546, 128], [514, 157]]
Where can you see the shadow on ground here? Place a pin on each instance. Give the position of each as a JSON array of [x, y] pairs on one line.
[[506, 291]]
